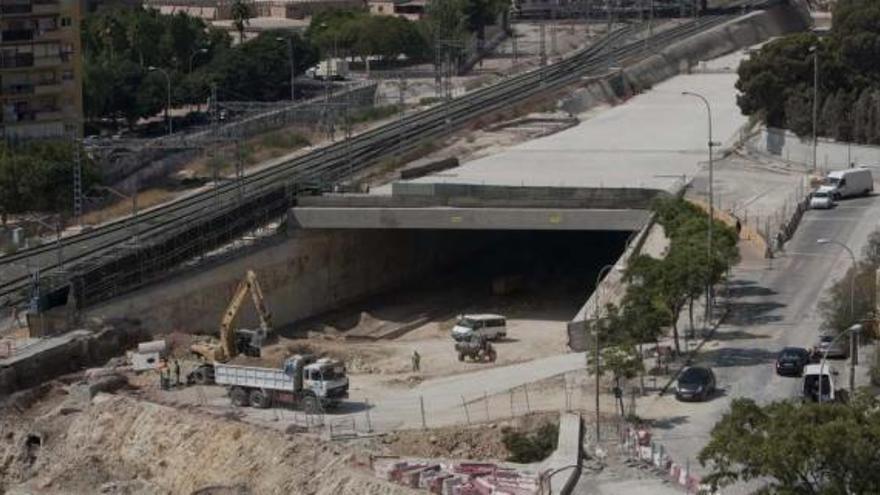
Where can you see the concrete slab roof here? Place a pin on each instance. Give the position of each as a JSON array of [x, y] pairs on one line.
[[646, 142]]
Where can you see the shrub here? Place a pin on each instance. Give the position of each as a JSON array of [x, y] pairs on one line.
[[525, 447]]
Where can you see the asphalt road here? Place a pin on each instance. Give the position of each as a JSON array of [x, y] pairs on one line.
[[773, 305]]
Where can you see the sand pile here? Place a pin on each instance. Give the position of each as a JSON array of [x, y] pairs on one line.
[[120, 445]]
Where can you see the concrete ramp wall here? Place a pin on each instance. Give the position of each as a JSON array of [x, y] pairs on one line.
[[742, 32], [301, 275]]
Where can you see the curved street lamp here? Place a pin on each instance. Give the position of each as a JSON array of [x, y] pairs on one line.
[[711, 195], [168, 102]]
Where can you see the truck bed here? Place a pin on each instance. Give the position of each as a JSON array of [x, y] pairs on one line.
[[250, 376]]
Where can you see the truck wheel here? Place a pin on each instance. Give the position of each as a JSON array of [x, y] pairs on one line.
[[311, 405], [202, 376], [239, 396], [260, 399]]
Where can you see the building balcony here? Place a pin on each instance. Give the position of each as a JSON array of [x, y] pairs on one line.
[[15, 90], [48, 88], [46, 6], [11, 9], [16, 61], [51, 61], [10, 35]]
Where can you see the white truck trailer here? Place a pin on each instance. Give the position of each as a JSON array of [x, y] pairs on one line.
[[848, 182], [313, 385], [335, 69]]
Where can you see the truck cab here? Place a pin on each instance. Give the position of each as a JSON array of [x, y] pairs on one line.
[[326, 379]]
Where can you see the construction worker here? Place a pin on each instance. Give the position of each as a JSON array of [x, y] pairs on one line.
[[176, 369], [163, 374], [416, 361]]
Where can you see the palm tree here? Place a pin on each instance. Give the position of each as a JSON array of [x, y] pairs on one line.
[[241, 15]]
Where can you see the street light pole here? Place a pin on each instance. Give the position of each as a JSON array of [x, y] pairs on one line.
[[852, 280], [815, 51], [193, 56], [711, 195], [168, 102], [599, 275], [134, 208], [57, 229], [854, 348], [290, 57], [852, 331]]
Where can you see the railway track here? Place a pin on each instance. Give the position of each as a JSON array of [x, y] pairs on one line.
[[335, 161]]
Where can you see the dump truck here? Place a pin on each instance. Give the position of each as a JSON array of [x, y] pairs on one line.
[[234, 341], [304, 382]]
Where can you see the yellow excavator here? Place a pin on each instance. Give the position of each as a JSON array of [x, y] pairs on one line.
[[234, 341]]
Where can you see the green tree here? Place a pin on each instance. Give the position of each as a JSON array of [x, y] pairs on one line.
[[809, 449], [38, 177], [259, 69], [445, 21], [240, 10]]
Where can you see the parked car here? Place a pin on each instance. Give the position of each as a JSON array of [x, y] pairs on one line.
[[838, 349], [490, 326], [695, 383], [791, 361], [821, 200]]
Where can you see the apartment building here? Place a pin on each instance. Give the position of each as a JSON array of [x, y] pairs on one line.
[[40, 69]]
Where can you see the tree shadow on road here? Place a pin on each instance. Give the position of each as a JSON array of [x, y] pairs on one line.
[[748, 288], [737, 335], [725, 357], [753, 313], [669, 422]]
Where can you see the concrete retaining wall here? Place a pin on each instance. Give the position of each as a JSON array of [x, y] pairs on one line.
[[678, 58], [68, 353], [830, 155], [301, 275], [568, 453]]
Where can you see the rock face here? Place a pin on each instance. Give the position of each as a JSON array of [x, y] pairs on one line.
[[120, 445]]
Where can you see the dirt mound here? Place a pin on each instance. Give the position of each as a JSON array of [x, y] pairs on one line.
[[120, 445], [477, 443]]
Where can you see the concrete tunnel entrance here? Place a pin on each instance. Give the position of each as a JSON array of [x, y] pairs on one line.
[[538, 279]]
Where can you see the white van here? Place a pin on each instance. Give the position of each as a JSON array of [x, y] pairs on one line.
[[848, 182], [490, 326]]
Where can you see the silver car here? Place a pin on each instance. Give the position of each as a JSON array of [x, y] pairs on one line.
[[838, 349]]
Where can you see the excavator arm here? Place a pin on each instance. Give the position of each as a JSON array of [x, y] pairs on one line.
[[259, 302], [228, 348]]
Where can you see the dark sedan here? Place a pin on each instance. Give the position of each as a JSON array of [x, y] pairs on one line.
[[791, 361], [695, 383]]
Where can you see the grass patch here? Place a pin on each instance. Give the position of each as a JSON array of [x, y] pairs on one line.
[[430, 100], [527, 447], [375, 113], [284, 140]]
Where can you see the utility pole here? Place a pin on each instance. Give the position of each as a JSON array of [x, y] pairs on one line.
[[815, 50], [348, 134], [543, 48], [553, 47], [401, 102], [77, 180]]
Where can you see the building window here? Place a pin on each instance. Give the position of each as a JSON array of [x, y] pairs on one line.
[[67, 75], [381, 8], [65, 22]]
